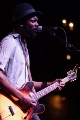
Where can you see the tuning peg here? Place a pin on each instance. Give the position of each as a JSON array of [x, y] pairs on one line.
[[78, 67], [72, 80]]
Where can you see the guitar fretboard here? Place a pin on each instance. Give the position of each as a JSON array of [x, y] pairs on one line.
[[50, 88]]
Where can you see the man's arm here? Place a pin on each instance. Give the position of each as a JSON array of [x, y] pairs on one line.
[[41, 85]]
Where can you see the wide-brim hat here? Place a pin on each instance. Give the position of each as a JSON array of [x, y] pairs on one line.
[[23, 10]]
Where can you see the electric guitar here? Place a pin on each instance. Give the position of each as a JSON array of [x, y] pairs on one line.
[[11, 109]]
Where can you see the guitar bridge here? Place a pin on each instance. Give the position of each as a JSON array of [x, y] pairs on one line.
[[10, 110]]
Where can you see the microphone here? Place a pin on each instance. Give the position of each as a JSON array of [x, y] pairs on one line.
[[43, 28]]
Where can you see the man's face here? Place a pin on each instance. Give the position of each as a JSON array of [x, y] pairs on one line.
[[30, 26]]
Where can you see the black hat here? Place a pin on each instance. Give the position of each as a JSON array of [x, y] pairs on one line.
[[22, 10]]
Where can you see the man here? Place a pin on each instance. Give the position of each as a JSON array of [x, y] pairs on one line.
[[14, 59]]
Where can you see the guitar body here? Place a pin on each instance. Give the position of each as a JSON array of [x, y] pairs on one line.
[[11, 109]]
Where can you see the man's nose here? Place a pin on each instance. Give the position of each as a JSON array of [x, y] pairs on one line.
[[37, 24]]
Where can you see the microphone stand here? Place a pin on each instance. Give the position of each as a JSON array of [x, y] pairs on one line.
[[68, 45]]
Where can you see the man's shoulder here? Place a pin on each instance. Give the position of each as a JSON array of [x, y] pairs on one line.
[[8, 39], [11, 35]]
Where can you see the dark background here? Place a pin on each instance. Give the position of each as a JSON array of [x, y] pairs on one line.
[[48, 53]]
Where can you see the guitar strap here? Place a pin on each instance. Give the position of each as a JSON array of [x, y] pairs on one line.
[[26, 62]]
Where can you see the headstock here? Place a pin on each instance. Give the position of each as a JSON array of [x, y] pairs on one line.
[[72, 74]]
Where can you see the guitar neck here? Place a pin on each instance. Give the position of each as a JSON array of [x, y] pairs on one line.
[[50, 88]]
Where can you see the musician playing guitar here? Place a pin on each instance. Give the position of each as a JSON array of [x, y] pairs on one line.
[[18, 98]]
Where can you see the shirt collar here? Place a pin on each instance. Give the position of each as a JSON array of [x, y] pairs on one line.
[[16, 36]]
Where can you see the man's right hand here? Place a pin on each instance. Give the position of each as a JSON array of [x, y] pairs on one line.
[[27, 102]]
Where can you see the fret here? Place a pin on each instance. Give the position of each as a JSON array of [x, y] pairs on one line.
[[46, 90]]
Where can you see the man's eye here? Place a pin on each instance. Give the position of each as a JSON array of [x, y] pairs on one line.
[[34, 21]]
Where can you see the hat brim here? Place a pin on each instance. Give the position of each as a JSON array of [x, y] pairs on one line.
[[36, 13]]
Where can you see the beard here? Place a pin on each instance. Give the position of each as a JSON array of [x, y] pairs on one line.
[[32, 35]]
